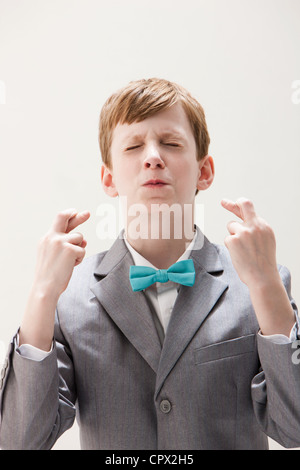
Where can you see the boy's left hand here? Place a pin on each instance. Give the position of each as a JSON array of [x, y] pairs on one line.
[[252, 248], [251, 244]]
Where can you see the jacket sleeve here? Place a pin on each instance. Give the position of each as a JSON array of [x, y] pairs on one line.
[[37, 398], [276, 388]]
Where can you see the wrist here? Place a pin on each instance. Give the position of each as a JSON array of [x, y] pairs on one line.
[[44, 292], [37, 326], [272, 306], [265, 282]]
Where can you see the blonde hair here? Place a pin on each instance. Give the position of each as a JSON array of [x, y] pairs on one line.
[[141, 99]]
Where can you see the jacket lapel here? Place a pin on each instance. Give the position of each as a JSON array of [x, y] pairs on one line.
[[129, 310], [192, 306]]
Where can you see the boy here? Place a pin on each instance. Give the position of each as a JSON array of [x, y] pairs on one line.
[[196, 355]]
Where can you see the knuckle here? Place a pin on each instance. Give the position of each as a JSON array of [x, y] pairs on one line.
[[46, 239], [247, 234], [235, 240], [55, 240], [63, 215], [80, 256], [260, 226], [269, 229], [245, 203], [60, 216], [79, 236], [68, 248], [75, 238], [244, 200]]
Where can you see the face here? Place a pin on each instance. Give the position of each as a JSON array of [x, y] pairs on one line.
[[154, 161]]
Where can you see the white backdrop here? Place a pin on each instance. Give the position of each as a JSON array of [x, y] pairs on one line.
[[59, 61]]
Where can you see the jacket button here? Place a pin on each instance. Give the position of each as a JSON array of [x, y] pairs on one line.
[[165, 406]]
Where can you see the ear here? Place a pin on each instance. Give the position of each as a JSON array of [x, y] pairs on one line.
[[108, 182], [206, 173]]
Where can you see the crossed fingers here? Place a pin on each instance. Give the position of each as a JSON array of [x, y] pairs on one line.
[[244, 209]]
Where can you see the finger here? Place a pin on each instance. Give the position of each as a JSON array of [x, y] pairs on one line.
[[74, 238], [83, 243], [62, 219], [231, 207], [246, 208], [234, 227], [80, 254], [227, 241], [77, 251], [78, 219], [242, 208]]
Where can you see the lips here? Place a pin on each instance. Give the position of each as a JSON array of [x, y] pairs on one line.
[[155, 183]]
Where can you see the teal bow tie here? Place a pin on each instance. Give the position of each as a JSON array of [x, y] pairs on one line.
[[142, 277]]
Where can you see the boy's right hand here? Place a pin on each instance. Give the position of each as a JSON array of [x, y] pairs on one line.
[[59, 251]]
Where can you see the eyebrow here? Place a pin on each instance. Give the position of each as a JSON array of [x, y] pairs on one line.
[[132, 137], [175, 134]]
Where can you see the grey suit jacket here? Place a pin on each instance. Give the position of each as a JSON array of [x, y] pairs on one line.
[[211, 383]]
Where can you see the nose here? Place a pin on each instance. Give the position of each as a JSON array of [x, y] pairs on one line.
[[153, 158]]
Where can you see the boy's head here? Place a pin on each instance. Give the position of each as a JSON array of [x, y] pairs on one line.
[[154, 143], [143, 98]]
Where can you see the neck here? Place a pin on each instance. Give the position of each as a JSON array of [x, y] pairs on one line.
[[161, 251]]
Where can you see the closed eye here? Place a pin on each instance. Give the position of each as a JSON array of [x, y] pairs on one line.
[[133, 147], [170, 144]]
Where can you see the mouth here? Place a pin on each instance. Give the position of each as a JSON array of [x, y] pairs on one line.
[[155, 183]]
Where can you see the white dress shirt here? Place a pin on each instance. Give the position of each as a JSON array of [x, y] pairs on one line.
[[162, 297]]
